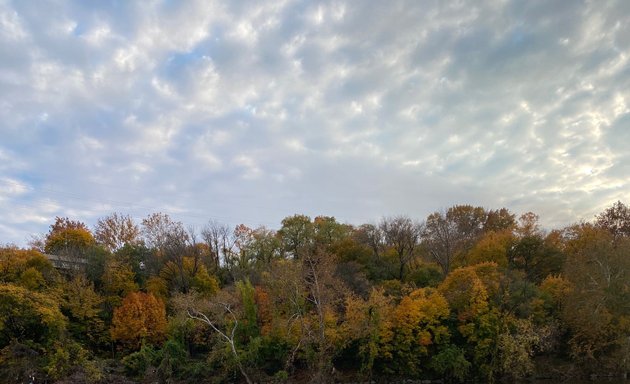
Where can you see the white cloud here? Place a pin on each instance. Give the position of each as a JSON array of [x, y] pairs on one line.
[[10, 24], [11, 187], [355, 109]]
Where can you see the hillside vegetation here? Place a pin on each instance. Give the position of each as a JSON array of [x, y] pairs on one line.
[[468, 293]]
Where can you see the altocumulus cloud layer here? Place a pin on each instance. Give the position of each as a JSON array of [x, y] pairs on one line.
[[251, 111]]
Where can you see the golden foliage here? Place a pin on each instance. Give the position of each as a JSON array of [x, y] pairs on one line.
[[465, 292], [415, 325], [28, 315], [492, 247], [118, 281]]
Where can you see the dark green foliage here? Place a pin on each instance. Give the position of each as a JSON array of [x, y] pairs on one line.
[[425, 275], [268, 353], [172, 358], [249, 329], [137, 363], [451, 363], [137, 256]]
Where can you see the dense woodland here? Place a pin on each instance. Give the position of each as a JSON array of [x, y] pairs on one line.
[[468, 293]]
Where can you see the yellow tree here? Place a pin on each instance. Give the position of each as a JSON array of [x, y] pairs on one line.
[[191, 275], [476, 321], [118, 281], [492, 247], [366, 323], [82, 305], [418, 327], [68, 236], [27, 316], [28, 268]]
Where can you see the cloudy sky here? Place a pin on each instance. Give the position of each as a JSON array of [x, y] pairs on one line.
[[247, 112]]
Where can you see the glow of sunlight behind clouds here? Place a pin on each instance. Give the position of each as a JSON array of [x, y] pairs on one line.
[[247, 112]]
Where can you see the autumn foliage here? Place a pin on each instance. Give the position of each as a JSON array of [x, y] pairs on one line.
[[140, 318], [467, 294]]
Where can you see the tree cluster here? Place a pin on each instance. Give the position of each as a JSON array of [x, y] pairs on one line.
[[468, 293]]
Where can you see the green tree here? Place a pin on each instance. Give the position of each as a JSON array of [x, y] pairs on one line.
[[223, 315], [296, 235], [366, 323], [32, 318], [616, 220], [82, 305]]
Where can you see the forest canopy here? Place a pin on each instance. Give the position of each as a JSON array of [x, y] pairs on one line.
[[466, 293]]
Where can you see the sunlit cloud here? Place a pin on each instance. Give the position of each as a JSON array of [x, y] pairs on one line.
[[251, 112]]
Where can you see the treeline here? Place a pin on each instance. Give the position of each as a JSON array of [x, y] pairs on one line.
[[469, 293]]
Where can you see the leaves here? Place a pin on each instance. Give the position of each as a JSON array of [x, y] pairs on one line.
[[28, 316], [140, 318], [115, 231], [318, 295], [417, 328]]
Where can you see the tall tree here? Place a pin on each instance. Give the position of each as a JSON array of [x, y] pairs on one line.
[[141, 317], [403, 236], [440, 238], [219, 239], [448, 235], [597, 309], [328, 231], [325, 292], [223, 315], [296, 235], [528, 225], [499, 220], [264, 246], [115, 231], [68, 237], [616, 220], [158, 228]]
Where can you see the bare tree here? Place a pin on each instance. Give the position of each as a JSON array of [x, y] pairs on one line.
[[371, 236], [287, 291], [449, 234], [403, 235], [439, 236], [178, 245], [159, 228], [324, 292], [219, 239]]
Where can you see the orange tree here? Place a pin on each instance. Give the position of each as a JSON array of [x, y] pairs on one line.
[[140, 318]]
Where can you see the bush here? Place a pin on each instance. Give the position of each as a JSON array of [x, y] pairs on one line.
[[137, 363]]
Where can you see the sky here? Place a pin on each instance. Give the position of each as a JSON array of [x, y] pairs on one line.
[[251, 111]]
